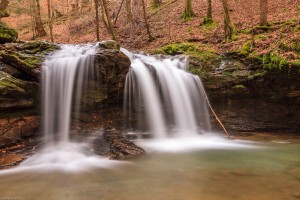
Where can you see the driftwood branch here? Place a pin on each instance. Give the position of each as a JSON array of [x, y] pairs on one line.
[[217, 118]]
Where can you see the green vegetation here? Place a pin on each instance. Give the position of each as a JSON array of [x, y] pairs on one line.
[[240, 87]]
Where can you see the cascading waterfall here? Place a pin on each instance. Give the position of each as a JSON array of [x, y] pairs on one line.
[[62, 72], [172, 99], [66, 77]]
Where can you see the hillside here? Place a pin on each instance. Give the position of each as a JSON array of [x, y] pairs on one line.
[[166, 24]]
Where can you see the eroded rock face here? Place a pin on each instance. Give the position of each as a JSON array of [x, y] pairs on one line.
[[248, 97]]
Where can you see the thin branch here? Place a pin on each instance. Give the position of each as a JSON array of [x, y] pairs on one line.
[[217, 118], [118, 13]]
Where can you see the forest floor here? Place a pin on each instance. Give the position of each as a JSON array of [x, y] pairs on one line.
[[167, 25]]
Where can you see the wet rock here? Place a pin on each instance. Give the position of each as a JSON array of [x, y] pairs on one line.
[[250, 92], [120, 147]]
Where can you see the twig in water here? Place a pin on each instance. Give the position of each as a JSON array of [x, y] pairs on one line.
[[217, 118]]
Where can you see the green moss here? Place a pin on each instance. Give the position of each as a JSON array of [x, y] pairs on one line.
[[297, 28], [257, 74], [39, 47], [201, 51], [208, 25], [261, 37], [283, 46], [239, 87], [247, 46], [21, 59], [9, 84], [226, 73]]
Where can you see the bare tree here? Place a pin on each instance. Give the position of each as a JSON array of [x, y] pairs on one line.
[[263, 6], [50, 19], [129, 11], [39, 28], [110, 27], [97, 19], [229, 28], [208, 19], [188, 11], [146, 22]]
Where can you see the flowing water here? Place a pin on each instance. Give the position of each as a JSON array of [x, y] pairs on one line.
[[171, 99], [180, 163], [66, 77], [261, 172]]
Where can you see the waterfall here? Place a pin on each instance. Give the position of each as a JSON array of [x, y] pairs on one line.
[[67, 76], [172, 100], [63, 76]]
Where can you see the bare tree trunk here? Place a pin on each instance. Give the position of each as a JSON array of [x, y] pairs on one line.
[[229, 28], [129, 12], [209, 10], [208, 19], [263, 5], [97, 19], [146, 22], [32, 10], [118, 13], [188, 11], [3, 6], [50, 19], [111, 29], [39, 28]]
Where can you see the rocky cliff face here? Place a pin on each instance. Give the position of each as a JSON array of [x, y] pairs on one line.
[[249, 97], [20, 70]]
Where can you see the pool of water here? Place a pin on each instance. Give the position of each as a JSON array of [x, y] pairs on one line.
[[265, 171]]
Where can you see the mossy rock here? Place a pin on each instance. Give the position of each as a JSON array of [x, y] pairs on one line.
[[38, 47], [7, 34], [28, 64], [16, 93]]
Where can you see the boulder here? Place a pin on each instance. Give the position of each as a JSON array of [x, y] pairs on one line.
[[7, 34]]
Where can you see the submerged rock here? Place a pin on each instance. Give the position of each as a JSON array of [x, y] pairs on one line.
[[117, 146]]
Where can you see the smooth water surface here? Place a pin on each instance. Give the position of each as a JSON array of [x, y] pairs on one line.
[[242, 171]]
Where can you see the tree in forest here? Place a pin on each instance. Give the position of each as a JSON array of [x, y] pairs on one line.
[[188, 11], [107, 18], [155, 3], [146, 22], [263, 5], [50, 19], [208, 19], [96, 3], [3, 6], [37, 20], [129, 11], [229, 28]]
